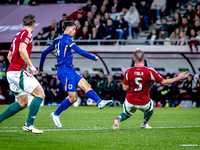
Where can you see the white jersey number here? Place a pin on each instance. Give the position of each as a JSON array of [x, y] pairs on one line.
[[138, 83]]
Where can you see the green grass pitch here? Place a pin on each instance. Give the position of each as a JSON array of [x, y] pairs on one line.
[[90, 128]]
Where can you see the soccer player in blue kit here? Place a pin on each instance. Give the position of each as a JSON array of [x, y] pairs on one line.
[[70, 79]]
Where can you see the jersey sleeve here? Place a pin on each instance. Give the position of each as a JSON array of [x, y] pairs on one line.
[[70, 42], [125, 82], [11, 49], [24, 38], [155, 76]]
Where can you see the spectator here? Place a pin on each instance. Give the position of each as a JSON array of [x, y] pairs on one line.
[[195, 93], [117, 5], [193, 41], [99, 26], [88, 6], [107, 5], [110, 30], [182, 39], [185, 27], [106, 17], [90, 18], [167, 92], [51, 37], [145, 13], [110, 87], [96, 34], [38, 40], [78, 29], [61, 23], [94, 10], [152, 36], [102, 11], [100, 84], [87, 77], [44, 84], [158, 6], [165, 24], [132, 17], [136, 4], [155, 93], [85, 35], [56, 91], [190, 11], [124, 10], [87, 24], [175, 35], [196, 26], [50, 28], [198, 37], [3, 69], [121, 26], [185, 88], [178, 19], [114, 14], [81, 19], [74, 15], [98, 16], [197, 11], [163, 34], [172, 27]]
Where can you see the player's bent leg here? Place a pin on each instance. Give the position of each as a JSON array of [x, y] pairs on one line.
[[128, 110], [38, 94], [147, 115], [64, 105], [15, 107], [83, 84]]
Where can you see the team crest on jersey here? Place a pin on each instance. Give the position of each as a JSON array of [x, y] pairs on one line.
[[31, 77], [70, 86], [27, 40]]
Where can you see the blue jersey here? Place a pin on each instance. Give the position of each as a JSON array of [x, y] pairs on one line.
[[64, 45]]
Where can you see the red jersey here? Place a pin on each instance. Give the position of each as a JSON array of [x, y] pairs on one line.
[[17, 62], [139, 80]]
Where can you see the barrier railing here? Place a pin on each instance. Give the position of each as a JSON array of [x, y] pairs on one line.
[[117, 41]]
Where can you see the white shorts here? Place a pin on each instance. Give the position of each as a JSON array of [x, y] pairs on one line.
[[129, 109], [21, 82]]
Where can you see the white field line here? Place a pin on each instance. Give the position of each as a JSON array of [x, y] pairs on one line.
[[87, 129], [188, 145]]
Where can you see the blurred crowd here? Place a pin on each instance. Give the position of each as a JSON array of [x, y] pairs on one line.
[[186, 27], [119, 19]]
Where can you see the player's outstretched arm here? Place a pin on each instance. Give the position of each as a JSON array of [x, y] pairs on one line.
[[181, 76], [25, 57], [83, 53], [43, 56]]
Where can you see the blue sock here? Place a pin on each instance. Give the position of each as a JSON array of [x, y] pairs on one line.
[[93, 95], [64, 105]]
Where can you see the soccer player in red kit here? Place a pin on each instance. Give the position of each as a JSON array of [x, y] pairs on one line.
[[21, 82], [137, 81]]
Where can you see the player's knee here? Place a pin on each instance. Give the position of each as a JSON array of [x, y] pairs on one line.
[[23, 104], [73, 99]]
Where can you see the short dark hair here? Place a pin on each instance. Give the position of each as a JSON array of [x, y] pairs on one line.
[[64, 15], [29, 20], [68, 24], [165, 19], [139, 55]]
